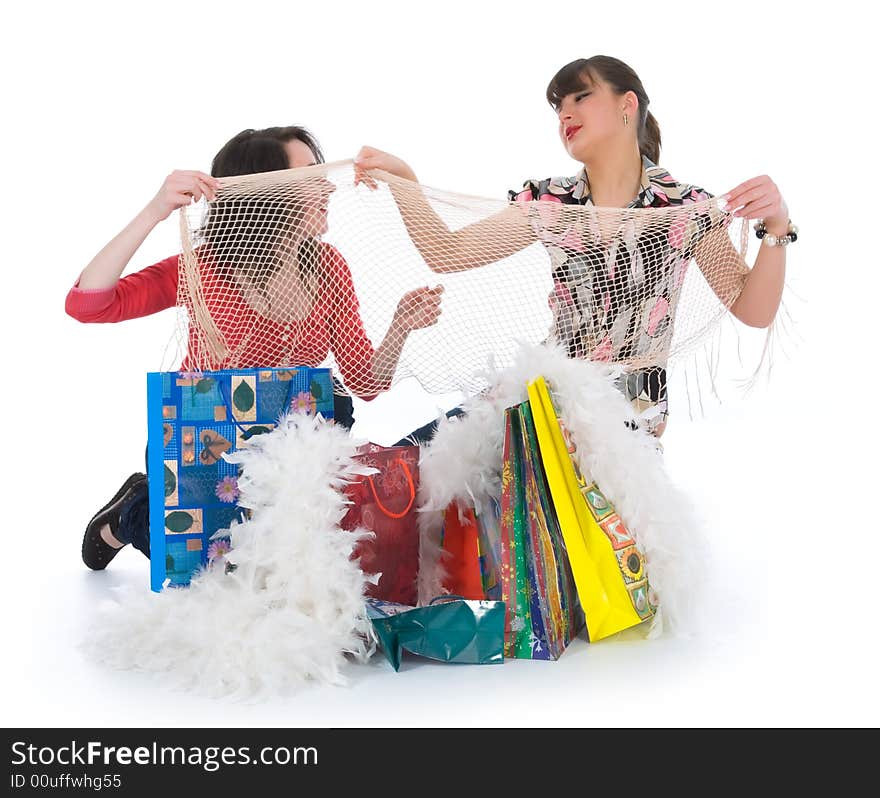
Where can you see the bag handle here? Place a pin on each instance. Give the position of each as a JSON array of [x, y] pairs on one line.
[[412, 489]]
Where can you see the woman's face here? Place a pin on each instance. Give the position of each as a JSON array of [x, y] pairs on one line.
[[591, 117], [316, 195], [299, 154]]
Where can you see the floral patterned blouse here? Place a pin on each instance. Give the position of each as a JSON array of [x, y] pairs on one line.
[[598, 309]]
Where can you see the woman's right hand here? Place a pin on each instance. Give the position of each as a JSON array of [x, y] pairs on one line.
[[180, 189], [371, 158]]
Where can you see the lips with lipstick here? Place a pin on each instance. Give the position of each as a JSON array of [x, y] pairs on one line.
[[571, 131]]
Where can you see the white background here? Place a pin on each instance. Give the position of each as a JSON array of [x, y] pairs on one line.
[[101, 102]]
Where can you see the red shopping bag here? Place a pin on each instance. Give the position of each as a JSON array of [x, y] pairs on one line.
[[385, 503]]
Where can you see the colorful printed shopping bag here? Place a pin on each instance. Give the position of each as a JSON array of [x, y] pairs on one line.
[[385, 503], [537, 583], [193, 419], [514, 588], [449, 629], [608, 568], [489, 546], [554, 596]]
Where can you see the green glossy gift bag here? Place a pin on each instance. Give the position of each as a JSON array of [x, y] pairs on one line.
[[449, 629]]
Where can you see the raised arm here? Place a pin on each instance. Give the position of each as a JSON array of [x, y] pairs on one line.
[[178, 190], [444, 250]]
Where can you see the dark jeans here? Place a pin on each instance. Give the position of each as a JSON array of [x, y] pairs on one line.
[[426, 433], [134, 517], [343, 407]]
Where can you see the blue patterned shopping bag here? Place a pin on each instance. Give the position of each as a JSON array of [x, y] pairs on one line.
[[193, 419]]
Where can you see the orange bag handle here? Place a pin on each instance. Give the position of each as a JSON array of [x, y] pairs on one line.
[[412, 488]]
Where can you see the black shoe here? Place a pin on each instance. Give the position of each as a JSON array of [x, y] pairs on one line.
[[96, 552]]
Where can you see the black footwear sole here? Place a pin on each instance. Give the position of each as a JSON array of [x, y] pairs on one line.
[[96, 552]]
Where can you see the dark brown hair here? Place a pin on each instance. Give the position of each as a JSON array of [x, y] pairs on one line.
[[256, 242], [579, 74], [253, 151]]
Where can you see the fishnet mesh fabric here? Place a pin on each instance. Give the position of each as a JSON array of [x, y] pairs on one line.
[[313, 267]]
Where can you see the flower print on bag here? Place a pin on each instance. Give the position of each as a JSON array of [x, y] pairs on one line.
[[227, 490]]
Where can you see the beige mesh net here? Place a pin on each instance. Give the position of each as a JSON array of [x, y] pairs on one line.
[[311, 266]]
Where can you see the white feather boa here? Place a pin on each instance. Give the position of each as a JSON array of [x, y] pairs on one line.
[[463, 463], [293, 608], [294, 605]]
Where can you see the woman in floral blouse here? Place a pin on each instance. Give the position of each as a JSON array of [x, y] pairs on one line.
[[604, 123]]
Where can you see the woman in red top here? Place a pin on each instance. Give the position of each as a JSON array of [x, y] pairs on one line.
[[318, 310]]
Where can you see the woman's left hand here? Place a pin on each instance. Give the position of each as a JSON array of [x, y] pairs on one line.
[[418, 308], [759, 198]]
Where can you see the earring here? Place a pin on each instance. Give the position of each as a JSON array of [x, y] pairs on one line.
[[625, 119]]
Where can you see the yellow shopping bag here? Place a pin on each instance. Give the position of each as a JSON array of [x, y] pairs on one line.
[[608, 568]]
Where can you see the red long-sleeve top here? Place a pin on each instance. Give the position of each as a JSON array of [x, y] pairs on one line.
[[334, 323]]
